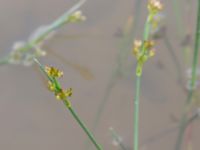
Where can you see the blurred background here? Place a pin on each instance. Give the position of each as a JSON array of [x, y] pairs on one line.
[[96, 58]]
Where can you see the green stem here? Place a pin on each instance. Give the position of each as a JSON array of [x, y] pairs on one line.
[[146, 34], [102, 106], [146, 30], [85, 129], [192, 81], [68, 105], [48, 29], [122, 57], [60, 22], [126, 45], [137, 94], [136, 114]]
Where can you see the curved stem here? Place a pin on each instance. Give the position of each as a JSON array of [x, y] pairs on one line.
[[192, 82]]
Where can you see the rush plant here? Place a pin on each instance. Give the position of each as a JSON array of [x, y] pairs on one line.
[[143, 50], [52, 74]]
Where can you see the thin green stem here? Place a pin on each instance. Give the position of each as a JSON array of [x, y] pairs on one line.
[[85, 129], [136, 114], [137, 94], [192, 82], [147, 30], [40, 35], [128, 39], [102, 106], [68, 105], [123, 54], [60, 22], [146, 34]]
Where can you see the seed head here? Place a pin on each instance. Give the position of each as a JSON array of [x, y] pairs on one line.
[[154, 6], [77, 16], [137, 44], [149, 44], [63, 95], [51, 86], [148, 49], [53, 72]]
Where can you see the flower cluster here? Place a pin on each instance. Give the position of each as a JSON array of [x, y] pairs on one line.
[[154, 8], [19, 54], [54, 86], [76, 17], [23, 52], [53, 72], [148, 49], [142, 50]]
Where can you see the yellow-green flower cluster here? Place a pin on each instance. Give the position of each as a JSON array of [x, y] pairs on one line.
[[53, 72], [138, 45], [59, 93], [142, 50], [19, 54], [55, 87], [154, 8], [76, 17]]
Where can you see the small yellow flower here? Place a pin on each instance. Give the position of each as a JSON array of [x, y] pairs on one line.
[[63, 95], [53, 72], [151, 53], [142, 51], [136, 47], [137, 43], [154, 6], [77, 16], [60, 95], [68, 92], [149, 44], [51, 86]]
